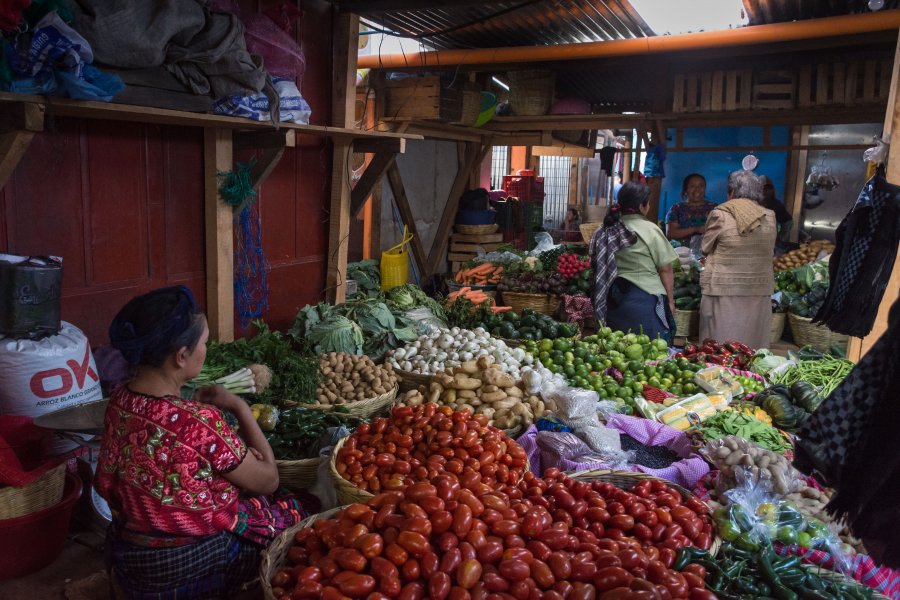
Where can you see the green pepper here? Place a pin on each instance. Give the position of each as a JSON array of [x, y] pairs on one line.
[[788, 562], [687, 555], [808, 594]]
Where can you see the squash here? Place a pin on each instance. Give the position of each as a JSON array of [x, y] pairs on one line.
[[805, 396], [777, 402]]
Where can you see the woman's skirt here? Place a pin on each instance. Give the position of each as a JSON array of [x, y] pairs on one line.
[[745, 319], [629, 308]]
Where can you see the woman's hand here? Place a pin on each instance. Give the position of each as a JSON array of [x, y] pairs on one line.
[[672, 305], [219, 397]]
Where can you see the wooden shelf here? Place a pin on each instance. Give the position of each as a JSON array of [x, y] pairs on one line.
[[162, 116]]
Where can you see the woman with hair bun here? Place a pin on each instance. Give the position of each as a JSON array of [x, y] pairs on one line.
[[189, 515], [632, 262]]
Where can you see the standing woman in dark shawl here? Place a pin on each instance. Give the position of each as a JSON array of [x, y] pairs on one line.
[[185, 489], [632, 262]]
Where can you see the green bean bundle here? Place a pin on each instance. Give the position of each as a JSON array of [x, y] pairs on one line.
[[825, 373]]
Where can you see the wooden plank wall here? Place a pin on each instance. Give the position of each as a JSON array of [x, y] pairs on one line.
[[123, 204]]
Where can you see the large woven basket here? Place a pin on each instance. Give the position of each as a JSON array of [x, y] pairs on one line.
[[542, 303], [471, 107], [588, 229], [627, 480], [299, 474], [778, 321], [274, 555], [817, 336], [531, 91], [477, 229], [364, 408], [687, 323], [411, 381], [44, 492]]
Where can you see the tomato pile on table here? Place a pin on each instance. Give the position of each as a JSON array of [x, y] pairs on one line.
[[456, 536]]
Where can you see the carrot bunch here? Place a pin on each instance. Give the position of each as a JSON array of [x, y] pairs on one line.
[[483, 274], [477, 298]]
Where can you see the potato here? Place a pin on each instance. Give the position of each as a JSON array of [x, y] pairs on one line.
[[495, 396], [514, 392], [470, 367], [468, 394], [461, 381], [498, 378]]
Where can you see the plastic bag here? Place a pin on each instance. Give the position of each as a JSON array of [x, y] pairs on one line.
[[578, 408], [756, 517], [878, 154], [557, 447], [733, 454], [544, 242], [323, 488]]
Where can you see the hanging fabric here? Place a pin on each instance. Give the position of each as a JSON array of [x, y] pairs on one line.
[[859, 268]]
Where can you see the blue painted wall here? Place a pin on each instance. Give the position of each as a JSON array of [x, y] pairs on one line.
[[716, 165]]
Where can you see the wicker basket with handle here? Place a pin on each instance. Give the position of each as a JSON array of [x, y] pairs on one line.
[[542, 303], [818, 336], [43, 492], [476, 229], [364, 408], [588, 229], [687, 323]]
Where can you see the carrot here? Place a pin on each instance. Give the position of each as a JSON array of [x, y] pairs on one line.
[[498, 270], [459, 277], [501, 309], [482, 268], [464, 290]]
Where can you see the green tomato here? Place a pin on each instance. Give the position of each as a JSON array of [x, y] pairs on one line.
[[787, 535], [804, 540]]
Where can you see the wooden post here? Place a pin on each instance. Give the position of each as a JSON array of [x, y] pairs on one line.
[[343, 113], [219, 219], [858, 347], [405, 210], [17, 128], [796, 183]]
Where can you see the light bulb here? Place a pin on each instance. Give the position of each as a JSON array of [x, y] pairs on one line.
[[876, 4]]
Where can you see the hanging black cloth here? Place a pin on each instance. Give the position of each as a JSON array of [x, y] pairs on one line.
[[851, 440], [866, 245]]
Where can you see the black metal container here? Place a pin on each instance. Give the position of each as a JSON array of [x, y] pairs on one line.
[[30, 294]]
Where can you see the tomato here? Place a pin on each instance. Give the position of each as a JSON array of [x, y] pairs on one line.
[[581, 591], [390, 586], [695, 569], [412, 591], [411, 570], [583, 570], [283, 578], [350, 560], [495, 583], [382, 568], [370, 545], [458, 593], [649, 518], [703, 541], [677, 584], [692, 580], [619, 593], [439, 586], [699, 594], [462, 520], [468, 573], [414, 543], [664, 516], [554, 538], [609, 578], [623, 522], [450, 560], [357, 585], [429, 563], [441, 521], [631, 559], [667, 557], [542, 574], [396, 554], [538, 549], [505, 527], [514, 570]]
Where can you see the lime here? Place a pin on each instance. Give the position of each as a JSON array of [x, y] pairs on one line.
[[787, 535], [638, 387], [546, 345], [729, 531], [804, 540]]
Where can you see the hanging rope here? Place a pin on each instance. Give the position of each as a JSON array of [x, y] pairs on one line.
[[251, 285]]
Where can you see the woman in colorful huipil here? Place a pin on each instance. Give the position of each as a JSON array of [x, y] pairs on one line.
[[688, 217], [185, 488]]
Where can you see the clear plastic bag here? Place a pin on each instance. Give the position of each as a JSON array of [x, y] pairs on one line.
[[543, 243], [578, 409], [732, 455], [565, 446], [756, 517]]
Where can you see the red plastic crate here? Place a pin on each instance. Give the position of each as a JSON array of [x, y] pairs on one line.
[[526, 188]]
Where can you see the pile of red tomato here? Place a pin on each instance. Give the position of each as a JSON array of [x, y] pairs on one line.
[[551, 538], [418, 443], [570, 265]]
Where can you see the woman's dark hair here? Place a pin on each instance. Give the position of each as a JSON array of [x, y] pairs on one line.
[[151, 327], [632, 197], [684, 184], [573, 211]]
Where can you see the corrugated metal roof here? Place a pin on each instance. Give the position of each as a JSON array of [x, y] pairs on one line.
[[497, 24]]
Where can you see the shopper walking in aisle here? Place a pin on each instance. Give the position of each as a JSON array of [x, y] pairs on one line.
[[782, 217], [688, 217], [737, 281], [632, 262], [185, 488]]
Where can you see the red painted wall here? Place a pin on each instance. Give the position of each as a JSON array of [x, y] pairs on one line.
[[123, 204]]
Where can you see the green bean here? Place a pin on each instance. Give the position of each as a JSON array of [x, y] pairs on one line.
[[825, 373]]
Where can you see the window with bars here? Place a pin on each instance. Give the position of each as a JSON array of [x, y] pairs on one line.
[[556, 171], [499, 166]]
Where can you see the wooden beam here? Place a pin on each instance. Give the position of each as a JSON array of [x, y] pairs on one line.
[[474, 156], [345, 41], [218, 220], [13, 146], [22, 116], [564, 150], [257, 140], [858, 347], [264, 165], [382, 6], [403, 206], [394, 146], [370, 178], [797, 180]]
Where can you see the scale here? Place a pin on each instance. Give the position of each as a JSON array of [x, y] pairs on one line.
[[82, 424]]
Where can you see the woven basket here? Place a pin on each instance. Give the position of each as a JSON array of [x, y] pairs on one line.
[[588, 229], [542, 303], [411, 381], [687, 323], [364, 408], [778, 321], [627, 480], [817, 336], [44, 492], [471, 107], [274, 555], [297, 475], [840, 578], [531, 91], [477, 229]]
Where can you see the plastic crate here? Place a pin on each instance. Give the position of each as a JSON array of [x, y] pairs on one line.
[[524, 187]]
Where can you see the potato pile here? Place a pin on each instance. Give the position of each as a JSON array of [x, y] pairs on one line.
[[805, 254], [482, 388], [350, 378], [731, 453]]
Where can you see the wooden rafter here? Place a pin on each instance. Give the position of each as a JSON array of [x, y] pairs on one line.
[[405, 209], [373, 174], [17, 129]]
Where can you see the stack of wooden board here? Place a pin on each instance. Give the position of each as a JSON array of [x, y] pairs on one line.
[[464, 248]]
